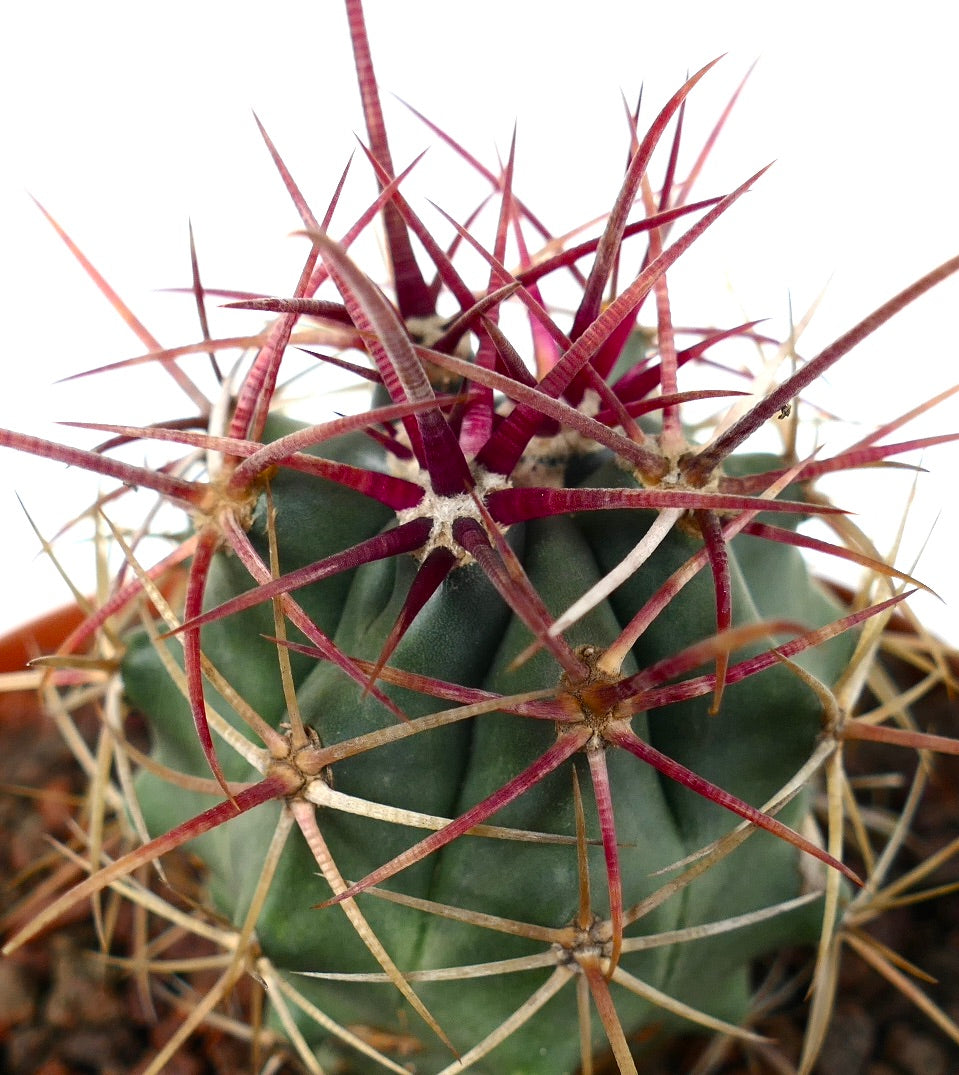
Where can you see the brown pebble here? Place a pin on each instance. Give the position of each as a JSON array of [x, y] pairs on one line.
[[17, 996], [913, 1052], [850, 1041], [80, 994]]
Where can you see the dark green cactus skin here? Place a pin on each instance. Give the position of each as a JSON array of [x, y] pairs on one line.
[[766, 729]]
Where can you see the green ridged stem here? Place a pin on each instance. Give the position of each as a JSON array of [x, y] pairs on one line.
[[766, 730]]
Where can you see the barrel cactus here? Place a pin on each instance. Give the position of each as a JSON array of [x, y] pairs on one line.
[[493, 710]]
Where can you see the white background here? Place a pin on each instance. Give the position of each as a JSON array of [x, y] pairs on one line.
[[127, 119]]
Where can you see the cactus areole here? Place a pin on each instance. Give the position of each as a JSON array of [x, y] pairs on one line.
[[493, 709]]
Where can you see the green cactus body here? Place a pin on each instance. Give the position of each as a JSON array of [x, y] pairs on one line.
[[466, 634], [453, 825]]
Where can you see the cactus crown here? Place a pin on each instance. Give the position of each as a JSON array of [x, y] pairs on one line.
[[516, 573]]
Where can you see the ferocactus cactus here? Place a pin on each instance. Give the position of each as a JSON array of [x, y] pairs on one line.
[[519, 688]]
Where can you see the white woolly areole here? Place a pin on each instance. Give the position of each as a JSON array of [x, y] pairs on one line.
[[545, 459], [443, 511]]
